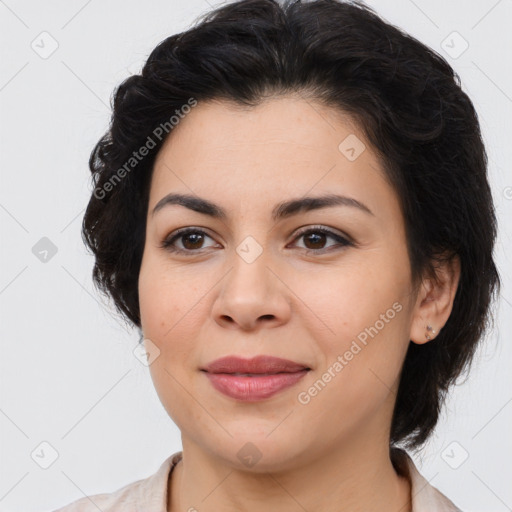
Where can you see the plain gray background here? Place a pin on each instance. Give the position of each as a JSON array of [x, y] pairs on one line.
[[68, 374]]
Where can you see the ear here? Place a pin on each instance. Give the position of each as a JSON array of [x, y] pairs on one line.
[[435, 301]]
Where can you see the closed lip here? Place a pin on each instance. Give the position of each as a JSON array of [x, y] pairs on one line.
[[256, 365]]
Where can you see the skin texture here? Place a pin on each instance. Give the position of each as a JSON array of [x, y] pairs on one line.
[[305, 299]]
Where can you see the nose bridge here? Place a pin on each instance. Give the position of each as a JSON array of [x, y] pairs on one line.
[[250, 260], [251, 238]]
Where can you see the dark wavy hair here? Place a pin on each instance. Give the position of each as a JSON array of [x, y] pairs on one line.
[[406, 99]]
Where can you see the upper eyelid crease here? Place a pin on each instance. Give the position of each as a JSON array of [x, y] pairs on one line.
[[280, 211]]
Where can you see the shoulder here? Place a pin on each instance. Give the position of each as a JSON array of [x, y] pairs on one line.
[[146, 494], [424, 496]]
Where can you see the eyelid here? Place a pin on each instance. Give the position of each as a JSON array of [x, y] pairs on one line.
[[324, 229], [176, 234], [342, 239]]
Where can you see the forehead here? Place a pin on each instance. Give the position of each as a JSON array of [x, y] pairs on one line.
[[285, 147], [224, 127]]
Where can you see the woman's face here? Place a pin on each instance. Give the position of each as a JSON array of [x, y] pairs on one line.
[[252, 283]]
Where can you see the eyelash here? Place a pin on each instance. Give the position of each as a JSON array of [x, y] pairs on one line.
[[167, 244]]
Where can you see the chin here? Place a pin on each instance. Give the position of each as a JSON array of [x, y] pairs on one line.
[[257, 452]]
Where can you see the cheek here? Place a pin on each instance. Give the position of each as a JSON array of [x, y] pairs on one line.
[[150, 298], [367, 315], [165, 295], [164, 302], [360, 366], [170, 310], [352, 298]]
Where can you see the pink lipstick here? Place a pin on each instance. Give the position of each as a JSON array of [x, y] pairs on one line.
[[253, 379]]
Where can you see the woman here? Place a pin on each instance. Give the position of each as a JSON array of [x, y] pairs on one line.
[[291, 204]]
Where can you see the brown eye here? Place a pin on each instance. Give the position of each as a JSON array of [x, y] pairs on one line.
[[191, 239], [316, 237]]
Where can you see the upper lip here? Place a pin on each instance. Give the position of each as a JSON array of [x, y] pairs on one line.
[[258, 364]]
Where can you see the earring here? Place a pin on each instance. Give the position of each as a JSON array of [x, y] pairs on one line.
[[430, 330]]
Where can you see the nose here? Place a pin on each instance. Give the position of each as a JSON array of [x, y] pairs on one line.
[[252, 295]]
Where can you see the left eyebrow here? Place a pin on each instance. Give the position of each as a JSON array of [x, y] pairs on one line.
[[280, 211]]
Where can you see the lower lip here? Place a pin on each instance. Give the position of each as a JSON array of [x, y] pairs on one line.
[[252, 389]]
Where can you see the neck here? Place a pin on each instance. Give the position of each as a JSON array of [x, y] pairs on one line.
[[356, 478]]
